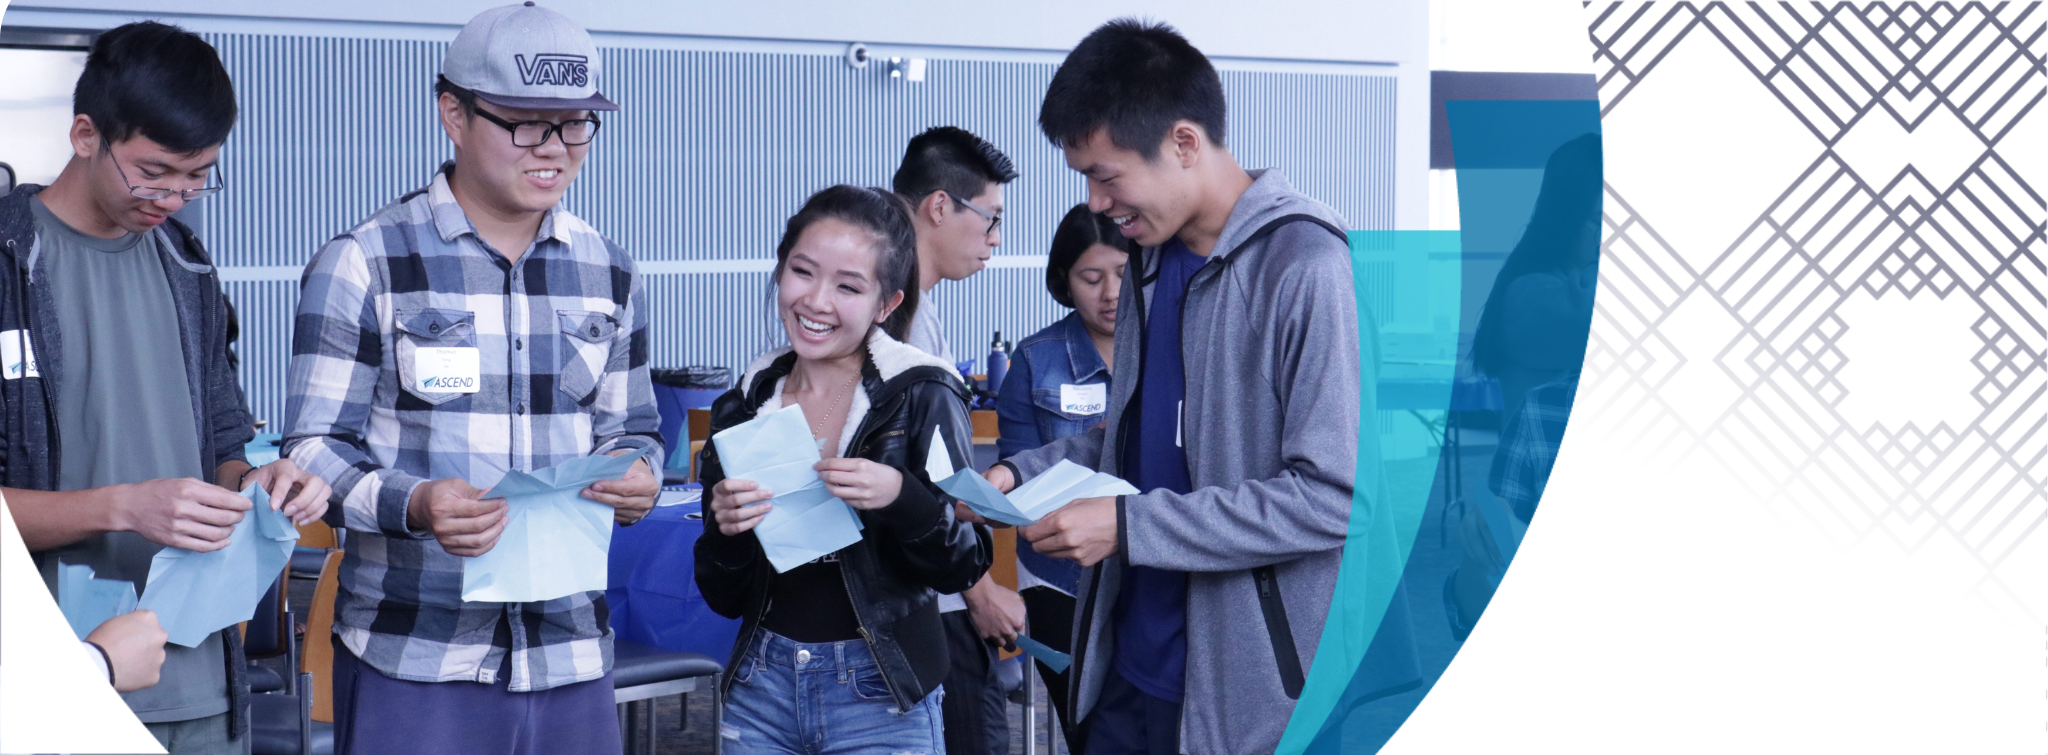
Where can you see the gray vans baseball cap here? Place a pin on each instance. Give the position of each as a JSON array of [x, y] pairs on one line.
[[526, 57]]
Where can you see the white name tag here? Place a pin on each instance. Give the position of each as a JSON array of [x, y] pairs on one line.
[[17, 355], [1084, 399], [445, 369]]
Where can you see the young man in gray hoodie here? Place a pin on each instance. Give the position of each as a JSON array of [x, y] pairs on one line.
[[1235, 410]]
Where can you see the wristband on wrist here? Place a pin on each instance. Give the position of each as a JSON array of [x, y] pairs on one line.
[[108, 658]]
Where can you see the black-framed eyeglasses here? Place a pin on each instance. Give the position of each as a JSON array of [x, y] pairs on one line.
[[575, 133], [154, 193], [994, 219]]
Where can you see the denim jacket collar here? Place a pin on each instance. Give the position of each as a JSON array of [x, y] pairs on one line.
[[1081, 354]]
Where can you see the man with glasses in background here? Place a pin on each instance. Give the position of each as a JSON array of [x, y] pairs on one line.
[[124, 425], [953, 181], [472, 328]]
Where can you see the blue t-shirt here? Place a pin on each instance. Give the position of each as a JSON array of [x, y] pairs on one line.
[[1151, 610]]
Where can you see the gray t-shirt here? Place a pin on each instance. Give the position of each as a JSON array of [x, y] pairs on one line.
[[124, 414], [926, 334]]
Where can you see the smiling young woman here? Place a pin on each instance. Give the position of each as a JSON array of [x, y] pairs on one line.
[[849, 643]]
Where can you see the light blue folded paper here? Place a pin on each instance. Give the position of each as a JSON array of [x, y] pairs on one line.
[[197, 594], [775, 450], [1064, 483], [88, 601], [557, 543], [1053, 659]]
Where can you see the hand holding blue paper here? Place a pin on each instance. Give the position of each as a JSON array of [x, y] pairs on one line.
[[88, 601], [556, 542], [196, 594], [1064, 483], [805, 521]]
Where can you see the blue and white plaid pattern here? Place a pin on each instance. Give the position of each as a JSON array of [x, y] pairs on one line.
[[1528, 445], [562, 340]]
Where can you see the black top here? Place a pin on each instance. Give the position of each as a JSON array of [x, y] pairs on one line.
[[809, 604]]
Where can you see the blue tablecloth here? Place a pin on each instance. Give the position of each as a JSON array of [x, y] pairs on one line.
[[653, 587]]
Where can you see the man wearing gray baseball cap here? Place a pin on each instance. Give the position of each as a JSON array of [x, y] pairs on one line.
[[472, 328]]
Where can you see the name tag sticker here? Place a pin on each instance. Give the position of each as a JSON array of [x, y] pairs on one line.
[[445, 369], [17, 356], [1084, 399]]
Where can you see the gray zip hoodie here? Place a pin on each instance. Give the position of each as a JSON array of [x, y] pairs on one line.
[[1270, 340]]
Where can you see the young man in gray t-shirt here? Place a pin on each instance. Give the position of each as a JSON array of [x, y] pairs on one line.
[[124, 425]]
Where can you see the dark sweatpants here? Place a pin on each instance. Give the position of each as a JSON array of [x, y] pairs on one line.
[[377, 715], [975, 713]]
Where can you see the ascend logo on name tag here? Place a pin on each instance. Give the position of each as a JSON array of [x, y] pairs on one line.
[[17, 357], [446, 369], [1084, 399]]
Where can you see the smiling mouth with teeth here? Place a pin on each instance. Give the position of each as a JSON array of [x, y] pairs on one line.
[[813, 325], [543, 173]]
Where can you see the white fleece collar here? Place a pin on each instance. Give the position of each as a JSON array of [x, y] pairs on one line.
[[891, 358]]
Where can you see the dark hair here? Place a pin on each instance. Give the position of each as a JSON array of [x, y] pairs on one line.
[[879, 212], [1137, 80], [1078, 231], [463, 97], [159, 81], [1569, 196], [950, 159]]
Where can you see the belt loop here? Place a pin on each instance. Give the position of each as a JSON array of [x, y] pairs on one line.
[[839, 657]]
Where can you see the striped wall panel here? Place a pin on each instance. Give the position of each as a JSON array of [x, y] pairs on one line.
[[710, 154]]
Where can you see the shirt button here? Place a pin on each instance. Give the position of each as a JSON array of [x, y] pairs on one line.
[[522, 407], [803, 657], [434, 328], [518, 343]]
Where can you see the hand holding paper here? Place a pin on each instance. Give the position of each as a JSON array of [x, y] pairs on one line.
[[89, 601], [805, 521], [1064, 483], [555, 542], [196, 594]]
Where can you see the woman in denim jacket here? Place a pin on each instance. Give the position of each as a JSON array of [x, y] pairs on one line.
[[1058, 385]]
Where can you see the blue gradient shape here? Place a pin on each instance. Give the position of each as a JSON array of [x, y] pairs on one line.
[[1389, 635]]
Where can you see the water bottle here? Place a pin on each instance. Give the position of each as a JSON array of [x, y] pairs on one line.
[[998, 363]]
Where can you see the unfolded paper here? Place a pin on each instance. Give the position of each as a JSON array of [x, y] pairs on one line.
[[775, 451], [1064, 483], [557, 542], [196, 594]]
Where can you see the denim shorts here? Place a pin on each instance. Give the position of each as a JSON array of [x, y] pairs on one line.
[[826, 698]]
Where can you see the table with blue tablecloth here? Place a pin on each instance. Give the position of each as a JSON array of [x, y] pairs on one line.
[[653, 584]]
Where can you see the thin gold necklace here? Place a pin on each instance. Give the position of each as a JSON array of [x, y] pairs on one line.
[[817, 425]]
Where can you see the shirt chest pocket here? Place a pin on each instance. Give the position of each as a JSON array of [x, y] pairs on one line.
[[584, 351], [437, 354]]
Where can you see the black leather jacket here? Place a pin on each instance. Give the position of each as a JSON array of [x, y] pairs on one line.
[[908, 549]]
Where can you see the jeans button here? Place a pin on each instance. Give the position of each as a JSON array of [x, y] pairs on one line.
[[803, 657]]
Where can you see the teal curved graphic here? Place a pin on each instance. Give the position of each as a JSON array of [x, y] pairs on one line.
[[1476, 337]]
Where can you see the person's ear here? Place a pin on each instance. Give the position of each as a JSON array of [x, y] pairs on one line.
[[889, 308], [85, 137], [453, 119], [1186, 140], [936, 206]]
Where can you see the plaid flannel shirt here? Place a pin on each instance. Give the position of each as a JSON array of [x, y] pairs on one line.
[[562, 339], [1528, 445]]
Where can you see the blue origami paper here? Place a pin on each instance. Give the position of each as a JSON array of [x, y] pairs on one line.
[[1064, 483], [775, 450], [197, 594], [557, 542], [88, 601], [1053, 659]]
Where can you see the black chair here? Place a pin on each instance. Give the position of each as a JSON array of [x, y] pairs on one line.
[[641, 673], [281, 705]]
